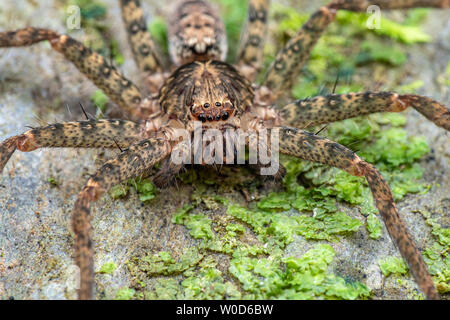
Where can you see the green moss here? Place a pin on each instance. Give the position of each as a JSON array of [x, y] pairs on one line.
[[325, 223], [444, 79], [234, 13], [377, 52], [411, 87], [437, 255], [119, 191], [165, 289], [373, 226], [91, 10], [108, 268], [408, 149], [118, 57], [416, 16], [306, 277], [125, 294], [145, 189], [208, 283], [276, 202], [289, 20], [198, 224], [406, 33], [393, 265], [163, 263], [53, 181], [158, 30]]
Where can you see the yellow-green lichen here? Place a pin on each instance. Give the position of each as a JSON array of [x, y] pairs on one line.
[[306, 277], [100, 100], [408, 32], [108, 268], [437, 256], [145, 189], [125, 294], [119, 191], [158, 30], [393, 265], [53, 181], [163, 263], [373, 226]]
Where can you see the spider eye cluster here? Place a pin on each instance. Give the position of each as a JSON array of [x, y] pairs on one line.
[[212, 111]]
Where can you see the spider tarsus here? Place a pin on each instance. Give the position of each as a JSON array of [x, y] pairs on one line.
[[7, 148], [84, 255], [397, 229], [431, 109]]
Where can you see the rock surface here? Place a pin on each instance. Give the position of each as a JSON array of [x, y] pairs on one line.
[[36, 84]]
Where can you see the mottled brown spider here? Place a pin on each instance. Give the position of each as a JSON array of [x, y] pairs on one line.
[[200, 87]]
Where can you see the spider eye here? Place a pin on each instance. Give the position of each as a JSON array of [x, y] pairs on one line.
[[206, 105], [202, 118]]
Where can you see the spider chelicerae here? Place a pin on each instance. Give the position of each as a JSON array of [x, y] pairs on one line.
[[199, 88]]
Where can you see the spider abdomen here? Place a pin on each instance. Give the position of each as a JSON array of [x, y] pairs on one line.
[[196, 33]]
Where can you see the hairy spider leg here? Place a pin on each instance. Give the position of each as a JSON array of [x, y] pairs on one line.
[[146, 54], [79, 134], [334, 107], [288, 63], [105, 76], [131, 163], [251, 47]]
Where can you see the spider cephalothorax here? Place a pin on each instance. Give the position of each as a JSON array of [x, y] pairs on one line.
[[207, 91], [210, 92]]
